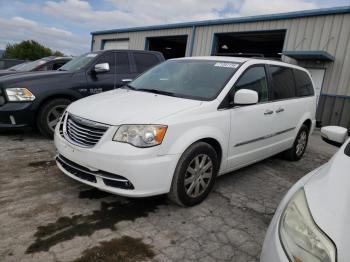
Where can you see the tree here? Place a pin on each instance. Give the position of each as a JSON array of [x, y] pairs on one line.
[[28, 50]]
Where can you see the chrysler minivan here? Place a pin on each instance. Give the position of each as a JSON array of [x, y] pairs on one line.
[[184, 122]]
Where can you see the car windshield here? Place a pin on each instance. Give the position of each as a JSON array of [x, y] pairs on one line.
[[194, 79], [17, 67], [78, 62], [32, 65]]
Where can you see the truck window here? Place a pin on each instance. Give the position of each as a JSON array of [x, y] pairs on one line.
[[303, 83], [123, 64], [145, 61], [110, 59], [283, 85]]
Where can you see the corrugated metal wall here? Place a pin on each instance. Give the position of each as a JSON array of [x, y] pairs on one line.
[[137, 40], [330, 33]]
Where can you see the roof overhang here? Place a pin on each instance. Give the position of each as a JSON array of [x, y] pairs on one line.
[[235, 20], [310, 55]]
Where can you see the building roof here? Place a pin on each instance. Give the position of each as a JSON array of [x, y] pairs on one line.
[[289, 15], [311, 54]]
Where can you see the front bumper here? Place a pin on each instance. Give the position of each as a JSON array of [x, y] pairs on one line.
[[17, 115], [148, 173]]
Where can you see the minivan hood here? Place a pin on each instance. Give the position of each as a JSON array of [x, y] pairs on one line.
[[328, 196], [122, 106]]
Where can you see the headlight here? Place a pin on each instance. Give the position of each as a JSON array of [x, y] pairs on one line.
[[19, 94], [140, 135], [301, 238]]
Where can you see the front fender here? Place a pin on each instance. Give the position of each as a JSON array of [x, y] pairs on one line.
[[182, 140]]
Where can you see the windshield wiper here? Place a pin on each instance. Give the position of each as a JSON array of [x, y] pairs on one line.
[[60, 69], [156, 91], [127, 86]]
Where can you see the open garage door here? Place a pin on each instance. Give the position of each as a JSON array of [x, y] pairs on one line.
[[250, 44], [170, 46]]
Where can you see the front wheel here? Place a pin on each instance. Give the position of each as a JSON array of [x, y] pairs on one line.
[[297, 151], [49, 115], [194, 175]]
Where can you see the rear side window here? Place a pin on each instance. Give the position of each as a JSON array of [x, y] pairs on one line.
[[107, 58], [283, 85], [58, 65], [347, 150], [303, 83], [144, 61], [123, 64], [254, 78]]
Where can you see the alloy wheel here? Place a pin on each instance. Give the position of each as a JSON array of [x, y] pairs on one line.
[[198, 175], [54, 115], [301, 143]]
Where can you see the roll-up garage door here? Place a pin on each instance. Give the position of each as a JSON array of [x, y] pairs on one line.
[[116, 44]]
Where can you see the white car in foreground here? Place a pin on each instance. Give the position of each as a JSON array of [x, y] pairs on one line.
[[179, 125], [311, 223]]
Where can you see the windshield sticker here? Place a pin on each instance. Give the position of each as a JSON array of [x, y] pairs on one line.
[[91, 55], [230, 65]]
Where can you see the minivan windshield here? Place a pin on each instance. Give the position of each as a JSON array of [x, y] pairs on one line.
[[78, 62], [194, 79]]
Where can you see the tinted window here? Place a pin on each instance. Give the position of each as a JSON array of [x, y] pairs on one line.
[[108, 58], [254, 79], [195, 79], [144, 61], [282, 82], [347, 150], [123, 65], [303, 83], [79, 62], [44, 67], [57, 65]]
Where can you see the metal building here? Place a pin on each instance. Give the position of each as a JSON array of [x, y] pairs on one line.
[[318, 40]]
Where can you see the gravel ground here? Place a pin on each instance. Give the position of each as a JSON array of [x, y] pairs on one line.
[[46, 216]]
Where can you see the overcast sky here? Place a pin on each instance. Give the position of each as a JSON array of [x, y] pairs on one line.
[[65, 25]]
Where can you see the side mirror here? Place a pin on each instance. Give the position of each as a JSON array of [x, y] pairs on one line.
[[101, 68], [246, 97], [334, 135]]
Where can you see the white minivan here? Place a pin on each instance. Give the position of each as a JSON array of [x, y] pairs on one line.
[[179, 125]]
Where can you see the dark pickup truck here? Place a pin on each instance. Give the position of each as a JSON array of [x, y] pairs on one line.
[[37, 99], [43, 64]]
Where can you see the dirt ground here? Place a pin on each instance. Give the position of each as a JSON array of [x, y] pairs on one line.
[[46, 216]]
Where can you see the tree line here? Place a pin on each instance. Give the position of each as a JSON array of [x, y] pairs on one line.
[[29, 50]]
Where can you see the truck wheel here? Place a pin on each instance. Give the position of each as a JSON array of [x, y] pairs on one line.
[[297, 151], [49, 115], [194, 175]]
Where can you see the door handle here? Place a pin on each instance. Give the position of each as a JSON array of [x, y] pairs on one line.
[[126, 80], [268, 112], [279, 110]]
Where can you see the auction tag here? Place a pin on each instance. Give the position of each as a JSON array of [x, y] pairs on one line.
[[230, 65]]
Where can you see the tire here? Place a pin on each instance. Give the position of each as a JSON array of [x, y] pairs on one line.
[[186, 194], [49, 114], [297, 151]]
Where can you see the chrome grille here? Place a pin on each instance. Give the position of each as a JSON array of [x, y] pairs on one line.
[[83, 132]]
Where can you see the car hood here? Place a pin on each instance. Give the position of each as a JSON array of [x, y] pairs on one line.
[[26, 76], [328, 196], [6, 72], [123, 106]]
